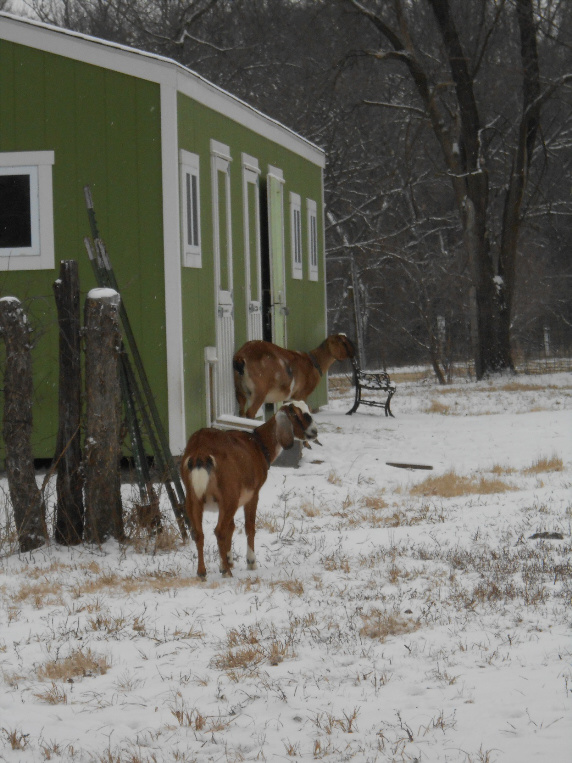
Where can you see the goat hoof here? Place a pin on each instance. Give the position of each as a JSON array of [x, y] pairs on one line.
[[251, 566], [202, 575]]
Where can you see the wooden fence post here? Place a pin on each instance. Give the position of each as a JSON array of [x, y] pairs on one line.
[[103, 508], [27, 500], [69, 482]]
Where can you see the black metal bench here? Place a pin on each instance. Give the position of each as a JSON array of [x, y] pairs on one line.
[[366, 381]]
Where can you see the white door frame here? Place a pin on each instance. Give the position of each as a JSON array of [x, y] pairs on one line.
[[278, 305], [224, 317], [251, 177]]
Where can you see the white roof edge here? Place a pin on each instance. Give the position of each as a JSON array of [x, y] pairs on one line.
[[155, 72]]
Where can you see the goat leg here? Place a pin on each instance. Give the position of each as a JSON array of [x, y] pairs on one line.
[[194, 510], [256, 401], [250, 529], [223, 532]]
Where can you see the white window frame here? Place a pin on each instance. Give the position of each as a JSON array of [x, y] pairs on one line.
[[38, 166], [312, 212], [190, 168], [296, 236]]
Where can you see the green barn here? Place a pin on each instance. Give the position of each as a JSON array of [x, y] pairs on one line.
[[211, 211]]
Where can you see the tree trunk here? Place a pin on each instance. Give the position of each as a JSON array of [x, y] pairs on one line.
[[103, 508], [69, 483], [27, 500]]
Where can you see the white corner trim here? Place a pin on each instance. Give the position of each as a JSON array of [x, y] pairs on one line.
[[172, 260]]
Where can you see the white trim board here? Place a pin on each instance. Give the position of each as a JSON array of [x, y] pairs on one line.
[[173, 270], [154, 68]]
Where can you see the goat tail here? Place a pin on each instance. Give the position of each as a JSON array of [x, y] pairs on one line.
[[238, 364], [200, 473]]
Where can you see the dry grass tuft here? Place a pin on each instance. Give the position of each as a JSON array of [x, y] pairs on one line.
[[55, 695], [268, 521], [436, 407], [246, 649], [16, 738], [246, 658], [453, 485], [380, 625], [310, 509], [334, 479], [375, 502], [294, 587], [79, 664], [541, 465], [40, 594], [520, 387], [499, 469], [146, 541]]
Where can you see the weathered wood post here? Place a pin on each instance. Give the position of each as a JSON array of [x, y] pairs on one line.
[[103, 508], [67, 458], [27, 501]]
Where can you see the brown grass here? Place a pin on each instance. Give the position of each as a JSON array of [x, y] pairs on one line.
[[542, 465], [16, 738], [310, 509], [55, 695], [499, 469], [294, 587], [380, 625], [436, 407], [453, 485], [334, 479], [375, 502], [79, 664], [39, 594]]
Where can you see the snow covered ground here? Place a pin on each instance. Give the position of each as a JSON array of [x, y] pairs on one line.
[[396, 615]]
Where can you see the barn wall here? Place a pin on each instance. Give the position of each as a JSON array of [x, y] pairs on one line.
[[104, 128], [197, 125]]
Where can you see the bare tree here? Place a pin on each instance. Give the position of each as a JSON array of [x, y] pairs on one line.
[[445, 71]]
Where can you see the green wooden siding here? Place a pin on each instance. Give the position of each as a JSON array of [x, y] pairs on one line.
[[197, 125], [105, 131]]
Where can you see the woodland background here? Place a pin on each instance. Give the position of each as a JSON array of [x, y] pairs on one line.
[[447, 126]]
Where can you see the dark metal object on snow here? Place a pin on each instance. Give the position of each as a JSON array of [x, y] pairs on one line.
[[371, 382], [408, 466]]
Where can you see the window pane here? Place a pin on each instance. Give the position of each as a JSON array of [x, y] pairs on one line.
[[15, 214], [188, 211], [297, 235], [195, 212], [314, 242]]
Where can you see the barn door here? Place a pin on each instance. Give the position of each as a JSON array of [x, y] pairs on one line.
[[222, 250], [252, 254], [278, 308]]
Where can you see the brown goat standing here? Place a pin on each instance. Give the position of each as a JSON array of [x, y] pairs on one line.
[[266, 373], [230, 467]]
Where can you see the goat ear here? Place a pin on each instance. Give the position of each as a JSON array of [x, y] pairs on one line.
[[284, 430]]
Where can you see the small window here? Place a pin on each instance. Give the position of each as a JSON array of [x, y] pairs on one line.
[[312, 238], [26, 210], [190, 210], [296, 235]]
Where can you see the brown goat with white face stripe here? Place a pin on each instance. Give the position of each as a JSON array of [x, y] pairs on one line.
[[229, 468], [267, 373]]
